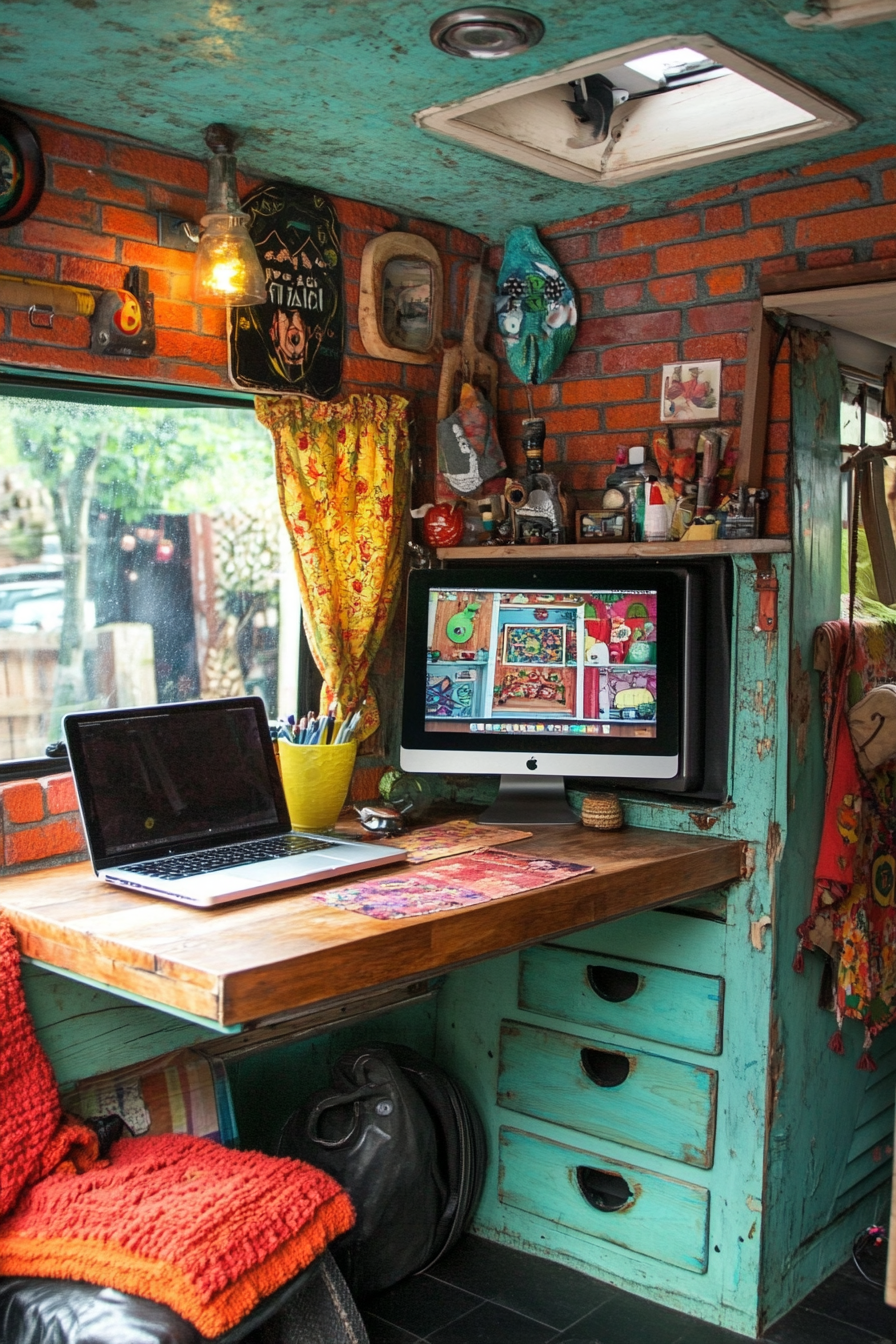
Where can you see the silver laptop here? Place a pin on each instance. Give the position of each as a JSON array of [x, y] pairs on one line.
[[185, 801]]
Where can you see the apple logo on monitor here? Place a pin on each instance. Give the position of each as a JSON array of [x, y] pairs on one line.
[[531, 764]]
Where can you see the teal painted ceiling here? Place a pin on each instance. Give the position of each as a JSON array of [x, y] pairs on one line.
[[323, 91]]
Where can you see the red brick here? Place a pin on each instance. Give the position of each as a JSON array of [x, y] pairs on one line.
[[726, 280], [130, 223], [701, 197], [581, 420], [734, 377], [43, 842], [23, 801], [61, 796], [816, 199], [623, 296], [846, 161], [762, 180], [888, 183], [212, 321], [779, 265], [777, 514], [421, 377], [427, 228], [636, 416], [719, 251], [586, 478], [618, 270], [68, 210], [847, 226], [362, 215], [726, 345], [62, 144], [61, 238], [635, 328], [184, 204], [832, 256], [187, 345], [779, 435], [723, 218], [626, 358], [83, 271], [573, 248], [72, 331], [134, 253], [189, 373], [384, 372], [779, 402], [648, 233], [597, 448], [673, 289], [886, 248], [90, 184], [586, 223], [30, 264], [156, 166], [464, 244], [719, 317], [592, 391], [774, 467], [183, 316]]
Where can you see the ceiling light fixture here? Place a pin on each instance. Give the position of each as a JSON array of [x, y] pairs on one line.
[[487, 33], [226, 269]]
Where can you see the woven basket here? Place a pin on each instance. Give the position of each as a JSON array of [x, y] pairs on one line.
[[602, 812]]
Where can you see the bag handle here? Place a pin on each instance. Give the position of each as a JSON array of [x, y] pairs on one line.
[[329, 1104]]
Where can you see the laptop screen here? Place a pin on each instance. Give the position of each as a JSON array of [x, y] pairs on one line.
[[174, 777]]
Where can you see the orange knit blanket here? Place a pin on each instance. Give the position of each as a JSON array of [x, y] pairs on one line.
[[204, 1229]]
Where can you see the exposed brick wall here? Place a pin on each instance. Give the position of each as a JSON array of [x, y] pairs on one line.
[[40, 824], [97, 217], [679, 288]]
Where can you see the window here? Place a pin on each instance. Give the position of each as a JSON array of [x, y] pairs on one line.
[[640, 111], [862, 423], [142, 560]]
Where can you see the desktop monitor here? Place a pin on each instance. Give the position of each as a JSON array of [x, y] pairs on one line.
[[537, 670]]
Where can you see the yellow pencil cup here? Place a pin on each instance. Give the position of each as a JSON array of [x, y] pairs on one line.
[[315, 781]]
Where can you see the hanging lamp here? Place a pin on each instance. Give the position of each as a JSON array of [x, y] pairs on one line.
[[226, 269]]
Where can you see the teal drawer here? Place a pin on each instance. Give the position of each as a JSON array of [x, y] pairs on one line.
[[657, 1003], [644, 1212], [631, 1097]]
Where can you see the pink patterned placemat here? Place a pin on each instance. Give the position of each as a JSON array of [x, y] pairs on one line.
[[453, 837], [470, 879]]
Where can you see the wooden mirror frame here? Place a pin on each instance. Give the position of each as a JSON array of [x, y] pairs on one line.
[[377, 254]]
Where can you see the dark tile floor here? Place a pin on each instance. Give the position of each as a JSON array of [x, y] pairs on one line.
[[486, 1294]]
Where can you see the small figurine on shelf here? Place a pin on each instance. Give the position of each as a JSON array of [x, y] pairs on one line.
[[537, 503]]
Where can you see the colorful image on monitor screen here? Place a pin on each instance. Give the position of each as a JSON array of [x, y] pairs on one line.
[[579, 662]]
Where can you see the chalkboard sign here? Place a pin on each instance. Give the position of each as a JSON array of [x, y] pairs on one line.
[[293, 343]]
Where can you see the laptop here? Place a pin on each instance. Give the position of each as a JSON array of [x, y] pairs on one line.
[[185, 802]]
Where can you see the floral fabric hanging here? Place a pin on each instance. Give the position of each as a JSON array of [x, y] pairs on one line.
[[342, 476]]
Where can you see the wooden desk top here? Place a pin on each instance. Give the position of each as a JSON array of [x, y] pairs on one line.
[[273, 954]]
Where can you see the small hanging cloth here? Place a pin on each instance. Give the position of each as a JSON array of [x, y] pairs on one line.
[[469, 451], [535, 308]]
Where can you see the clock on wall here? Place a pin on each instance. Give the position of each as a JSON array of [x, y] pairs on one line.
[[21, 169]]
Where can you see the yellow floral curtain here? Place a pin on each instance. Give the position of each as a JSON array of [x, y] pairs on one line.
[[342, 475]]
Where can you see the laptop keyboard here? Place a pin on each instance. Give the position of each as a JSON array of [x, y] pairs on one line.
[[228, 856]]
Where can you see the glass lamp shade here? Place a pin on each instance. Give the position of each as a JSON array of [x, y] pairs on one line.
[[226, 269]]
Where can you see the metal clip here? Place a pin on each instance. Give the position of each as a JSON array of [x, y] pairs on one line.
[[767, 592], [41, 315]]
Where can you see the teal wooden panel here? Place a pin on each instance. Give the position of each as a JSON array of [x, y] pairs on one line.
[[87, 1031], [662, 1004], [662, 1105], [665, 1219]]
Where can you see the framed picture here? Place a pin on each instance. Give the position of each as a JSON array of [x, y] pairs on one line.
[[691, 392], [292, 344], [400, 305], [596, 525]]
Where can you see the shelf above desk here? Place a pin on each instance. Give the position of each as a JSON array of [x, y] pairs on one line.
[[610, 550], [275, 954]]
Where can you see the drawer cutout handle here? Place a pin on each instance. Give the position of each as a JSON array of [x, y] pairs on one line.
[[603, 1190], [605, 1067], [613, 985]]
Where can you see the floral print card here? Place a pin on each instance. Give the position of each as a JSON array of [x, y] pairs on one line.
[[470, 879], [453, 837]]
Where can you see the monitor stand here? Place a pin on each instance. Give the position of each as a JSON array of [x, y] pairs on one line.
[[523, 801]]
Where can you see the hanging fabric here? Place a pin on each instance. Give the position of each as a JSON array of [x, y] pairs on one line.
[[342, 475]]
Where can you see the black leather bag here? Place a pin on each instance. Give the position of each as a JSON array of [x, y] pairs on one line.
[[402, 1138]]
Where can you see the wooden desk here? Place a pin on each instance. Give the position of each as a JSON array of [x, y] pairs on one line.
[[278, 953]]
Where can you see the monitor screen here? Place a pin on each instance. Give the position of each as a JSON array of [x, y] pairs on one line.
[[538, 665], [562, 661]]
